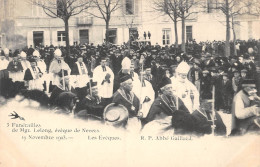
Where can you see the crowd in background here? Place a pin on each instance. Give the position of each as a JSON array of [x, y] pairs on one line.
[[208, 67]]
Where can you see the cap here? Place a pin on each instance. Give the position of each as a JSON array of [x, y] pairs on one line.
[[244, 71], [165, 81], [23, 54], [57, 52], [183, 67], [125, 77], [126, 63], [6, 51], [36, 53]]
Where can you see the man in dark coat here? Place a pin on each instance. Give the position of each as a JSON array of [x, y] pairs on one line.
[[126, 97], [92, 104], [226, 93], [166, 103]]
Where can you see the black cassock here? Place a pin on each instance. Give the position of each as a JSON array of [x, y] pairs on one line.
[[131, 105], [163, 107], [91, 105]]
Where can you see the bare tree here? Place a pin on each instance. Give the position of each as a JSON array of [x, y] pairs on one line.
[[171, 9], [105, 9], [185, 13], [232, 9], [63, 9]]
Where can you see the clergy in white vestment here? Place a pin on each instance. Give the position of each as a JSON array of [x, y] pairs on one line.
[[79, 73], [40, 63], [147, 96], [33, 76], [185, 89], [15, 70], [136, 81], [104, 77], [58, 66], [3, 63], [25, 63]]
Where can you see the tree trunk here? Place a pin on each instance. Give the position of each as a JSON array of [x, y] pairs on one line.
[[227, 45], [107, 32], [234, 37], [176, 33], [66, 21], [183, 33]]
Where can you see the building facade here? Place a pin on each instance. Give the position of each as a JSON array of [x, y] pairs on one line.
[[23, 24]]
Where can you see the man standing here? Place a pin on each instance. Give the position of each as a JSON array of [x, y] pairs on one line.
[[80, 73], [33, 76], [58, 66], [245, 116], [105, 79]]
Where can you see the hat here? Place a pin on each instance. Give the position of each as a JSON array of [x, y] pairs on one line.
[[36, 53], [115, 114], [125, 77], [205, 71], [6, 51], [224, 74], [23, 54], [213, 69], [244, 71], [183, 67], [91, 84], [196, 61], [165, 81], [65, 73], [57, 52], [126, 63], [248, 83], [235, 71]]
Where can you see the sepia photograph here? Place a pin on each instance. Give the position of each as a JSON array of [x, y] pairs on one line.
[[129, 83]]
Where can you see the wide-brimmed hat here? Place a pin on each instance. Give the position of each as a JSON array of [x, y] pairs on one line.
[[115, 114]]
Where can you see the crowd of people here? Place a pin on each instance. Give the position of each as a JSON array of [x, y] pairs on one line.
[[141, 86]]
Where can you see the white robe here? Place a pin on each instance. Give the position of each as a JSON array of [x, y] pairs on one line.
[[183, 91], [136, 85], [147, 91], [3, 64], [106, 89], [36, 82], [55, 68], [80, 80]]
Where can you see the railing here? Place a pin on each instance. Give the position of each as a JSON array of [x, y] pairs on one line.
[[85, 21]]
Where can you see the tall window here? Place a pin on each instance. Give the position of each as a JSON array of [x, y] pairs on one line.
[[212, 5], [61, 36], [112, 36], [129, 7], [189, 33], [166, 36], [37, 11]]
